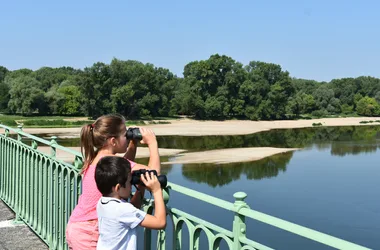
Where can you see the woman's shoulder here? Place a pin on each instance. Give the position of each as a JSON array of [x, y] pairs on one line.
[[98, 158]]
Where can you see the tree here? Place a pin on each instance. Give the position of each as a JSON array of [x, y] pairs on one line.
[[214, 86], [272, 87], [325, 100], [3, 72], [49, 77], [4, 96], [26, 97], [368, 107], [71, 96], [300, 103], [96, 88]]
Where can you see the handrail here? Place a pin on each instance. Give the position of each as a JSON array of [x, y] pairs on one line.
[[43, 141], [268, 219], [300, 230], [201, 196], [78, 160]]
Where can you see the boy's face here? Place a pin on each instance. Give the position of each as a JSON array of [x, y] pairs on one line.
[[125, 192]]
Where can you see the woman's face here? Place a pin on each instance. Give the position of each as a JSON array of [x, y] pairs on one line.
[[121, 142]]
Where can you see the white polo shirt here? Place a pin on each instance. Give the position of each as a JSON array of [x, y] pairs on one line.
[[117, 221]]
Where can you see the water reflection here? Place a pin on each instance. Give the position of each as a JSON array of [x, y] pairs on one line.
[[321, 137], [219, 175], [289, 138]]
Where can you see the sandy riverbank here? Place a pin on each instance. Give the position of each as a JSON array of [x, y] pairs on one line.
[[188, 127], [141, 152]]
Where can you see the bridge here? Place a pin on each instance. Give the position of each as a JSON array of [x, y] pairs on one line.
[[42, 190]]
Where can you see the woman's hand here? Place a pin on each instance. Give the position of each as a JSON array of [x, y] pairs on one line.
[[148, 137]]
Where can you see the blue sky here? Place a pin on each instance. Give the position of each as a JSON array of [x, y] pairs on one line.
[[312, 39]]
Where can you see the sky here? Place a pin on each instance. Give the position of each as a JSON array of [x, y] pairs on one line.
[[312, 39]]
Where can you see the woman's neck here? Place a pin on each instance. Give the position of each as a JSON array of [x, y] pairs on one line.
[[105, 151], [101, 153]]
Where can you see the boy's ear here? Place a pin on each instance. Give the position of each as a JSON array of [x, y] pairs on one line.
[[116, 188]]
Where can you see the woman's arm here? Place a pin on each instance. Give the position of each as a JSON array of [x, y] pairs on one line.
[[131, 150], [149, 138], [138, 197]]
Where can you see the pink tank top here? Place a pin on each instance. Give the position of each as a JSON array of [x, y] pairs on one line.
[[86, 207]]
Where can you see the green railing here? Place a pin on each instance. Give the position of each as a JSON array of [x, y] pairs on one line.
[[43, 190]]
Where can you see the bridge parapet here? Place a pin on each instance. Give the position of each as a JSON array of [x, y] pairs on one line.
[[43, 190]]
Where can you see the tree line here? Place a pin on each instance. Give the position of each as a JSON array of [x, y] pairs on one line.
[[216, 88]]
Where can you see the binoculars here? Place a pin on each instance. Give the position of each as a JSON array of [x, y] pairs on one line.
[[133, 134], [137, 180]]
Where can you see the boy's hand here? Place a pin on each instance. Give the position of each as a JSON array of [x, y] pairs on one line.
[[148, 136], [151, 182]]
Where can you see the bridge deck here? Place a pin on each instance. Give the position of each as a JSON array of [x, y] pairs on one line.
[[16, 237]]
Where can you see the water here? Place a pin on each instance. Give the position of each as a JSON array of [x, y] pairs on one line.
[[332, 185], [332, 194]]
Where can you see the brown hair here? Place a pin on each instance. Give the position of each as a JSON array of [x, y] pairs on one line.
[[94, 136]]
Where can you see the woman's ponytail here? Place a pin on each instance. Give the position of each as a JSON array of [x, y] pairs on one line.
[[94, 136], [87, 145]]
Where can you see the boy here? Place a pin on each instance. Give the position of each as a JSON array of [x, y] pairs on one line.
[[117, 218]]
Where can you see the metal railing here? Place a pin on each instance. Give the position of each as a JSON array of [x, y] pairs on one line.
[[43, 190]]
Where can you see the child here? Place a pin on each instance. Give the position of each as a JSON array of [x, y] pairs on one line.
[[118, 218]]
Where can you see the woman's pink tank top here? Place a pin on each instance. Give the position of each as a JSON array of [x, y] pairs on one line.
[[86, 207]]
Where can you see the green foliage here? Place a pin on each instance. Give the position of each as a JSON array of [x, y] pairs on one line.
[[347, 109], [365, 122], [43, 121], [216, 88], [26, 96], [4, 96], [53, 123], [368, 107], [3, 72], [319, 113], [71, 100], [8, 121]]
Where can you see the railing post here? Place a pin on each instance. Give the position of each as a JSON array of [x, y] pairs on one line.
[[52, 143], [78, 163], [161, 238], [17, 193], [34, 144], [239, 227], [19, 137]]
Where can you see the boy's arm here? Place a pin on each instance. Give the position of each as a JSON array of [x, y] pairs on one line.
[[158, 220]]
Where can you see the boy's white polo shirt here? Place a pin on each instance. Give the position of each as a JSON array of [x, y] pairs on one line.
[[117, 221]]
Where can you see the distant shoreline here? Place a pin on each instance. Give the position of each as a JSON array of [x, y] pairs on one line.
[[187, 127]]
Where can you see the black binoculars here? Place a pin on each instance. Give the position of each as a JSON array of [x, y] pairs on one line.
[[133, 134], [137, 180]]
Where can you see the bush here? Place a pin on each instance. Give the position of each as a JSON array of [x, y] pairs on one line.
[[8, 121], [319, 113], [56, 122]]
